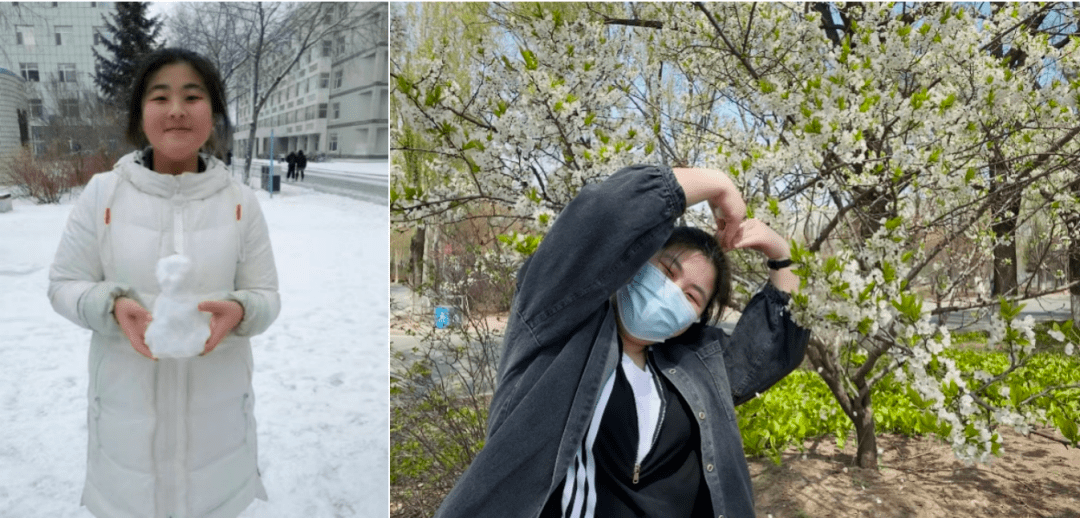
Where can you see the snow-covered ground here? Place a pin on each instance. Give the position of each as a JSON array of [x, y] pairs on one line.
[[320, 370], [365, 168]]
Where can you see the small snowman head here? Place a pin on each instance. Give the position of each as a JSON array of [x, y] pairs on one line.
[[171, 271]]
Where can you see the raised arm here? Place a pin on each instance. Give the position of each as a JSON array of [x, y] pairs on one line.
[[766, 344]]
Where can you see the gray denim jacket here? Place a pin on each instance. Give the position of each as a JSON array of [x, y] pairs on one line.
[[557, 353]]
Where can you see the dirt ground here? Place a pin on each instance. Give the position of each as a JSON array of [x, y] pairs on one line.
[[919, 477]]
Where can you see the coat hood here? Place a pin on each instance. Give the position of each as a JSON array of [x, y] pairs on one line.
[[186, 186]]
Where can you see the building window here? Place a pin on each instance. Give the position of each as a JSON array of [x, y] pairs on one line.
[[29, 71], [324, 79], [365, 104], [333, 142], [309, 113], [56, 4], [63, 34], [93, 4], [340, 45], [337, 111], [24, 35], [36, 109], [98, 38], [322, 110], [338, 77], [67, 73], [307, 85], [327, 46], [69, 108]]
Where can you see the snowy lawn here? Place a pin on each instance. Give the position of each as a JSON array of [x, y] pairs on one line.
[[320, 370]]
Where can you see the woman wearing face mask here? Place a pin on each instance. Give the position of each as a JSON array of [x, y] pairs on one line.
[[615, 396]]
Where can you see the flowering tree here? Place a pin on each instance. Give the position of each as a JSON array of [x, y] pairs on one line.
[[899, 146]]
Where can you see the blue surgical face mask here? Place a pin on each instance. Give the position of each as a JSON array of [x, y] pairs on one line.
[[653, 308]]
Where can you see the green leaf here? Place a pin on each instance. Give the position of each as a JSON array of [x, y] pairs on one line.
[[948, 102], [530, 59], [1067, 427]]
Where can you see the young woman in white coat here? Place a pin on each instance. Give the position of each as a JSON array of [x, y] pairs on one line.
[[169, 437]]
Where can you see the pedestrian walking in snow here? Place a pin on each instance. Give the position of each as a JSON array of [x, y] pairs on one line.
[[174, 436], [291, 160], [301, 164], [615, 395]]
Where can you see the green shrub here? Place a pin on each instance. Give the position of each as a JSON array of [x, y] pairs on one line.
[[801, 406]]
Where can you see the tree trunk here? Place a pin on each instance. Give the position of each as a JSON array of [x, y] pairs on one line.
[[859, 409], [1074, 267], [1005, 265], [865, 433], [1005, 282], [416, 258]]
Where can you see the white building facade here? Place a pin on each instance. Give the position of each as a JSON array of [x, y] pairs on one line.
[[14, 112], [50, 46], [334, 104]]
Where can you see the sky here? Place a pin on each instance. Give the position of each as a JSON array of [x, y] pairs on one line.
[[320, 378]]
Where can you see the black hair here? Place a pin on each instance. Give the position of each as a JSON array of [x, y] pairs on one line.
[[211, 80], [695, 239]]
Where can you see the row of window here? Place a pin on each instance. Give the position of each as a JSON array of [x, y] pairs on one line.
[[294, 91], [62, 34], [68, 108], [65, 72], [303, 114], [57, 4]]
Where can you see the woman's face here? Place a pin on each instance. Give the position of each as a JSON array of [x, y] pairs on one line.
[[691, 271], [176, 114]]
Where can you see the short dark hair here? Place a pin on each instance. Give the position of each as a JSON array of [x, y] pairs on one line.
[[695, 239], [211, 80]]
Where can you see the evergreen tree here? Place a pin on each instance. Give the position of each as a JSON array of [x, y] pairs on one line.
[[133, 36]]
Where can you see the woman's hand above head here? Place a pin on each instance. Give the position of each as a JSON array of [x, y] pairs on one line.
[[724, 199], [754, 234], [133, 320], [225, 315]]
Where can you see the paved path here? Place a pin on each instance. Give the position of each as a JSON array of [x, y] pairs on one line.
[[366, 181], [1055, 306]]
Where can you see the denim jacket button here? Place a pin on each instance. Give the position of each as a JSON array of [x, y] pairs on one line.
[[671, 371], [709, 468], [701, 415]]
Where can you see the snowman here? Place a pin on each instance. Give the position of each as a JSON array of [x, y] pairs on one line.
[[178, 329]]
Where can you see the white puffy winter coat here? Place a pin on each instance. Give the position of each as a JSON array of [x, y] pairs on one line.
[[173, 438]]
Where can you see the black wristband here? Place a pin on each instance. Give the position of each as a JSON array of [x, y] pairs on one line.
[[778, 265]]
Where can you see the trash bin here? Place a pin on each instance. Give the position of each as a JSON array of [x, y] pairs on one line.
[[266, 179], [5, 202], [447, 316]]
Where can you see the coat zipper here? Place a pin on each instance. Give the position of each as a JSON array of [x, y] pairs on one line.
[[659, 422]]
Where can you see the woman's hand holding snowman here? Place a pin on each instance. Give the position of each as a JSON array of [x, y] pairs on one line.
[[225, 315], [133, 320]]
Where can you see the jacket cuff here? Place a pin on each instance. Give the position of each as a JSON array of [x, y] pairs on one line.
[[253, 306], [97, 306]]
